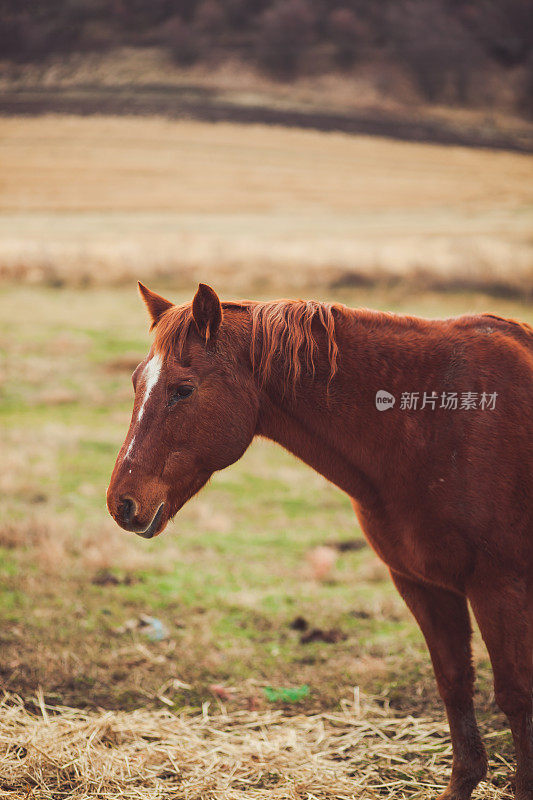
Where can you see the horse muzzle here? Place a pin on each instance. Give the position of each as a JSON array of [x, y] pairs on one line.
[[128, 514]]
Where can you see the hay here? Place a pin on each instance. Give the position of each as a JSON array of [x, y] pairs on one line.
[[365, 752]]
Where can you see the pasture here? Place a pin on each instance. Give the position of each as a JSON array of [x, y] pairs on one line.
[[229, 580], [100, 700]]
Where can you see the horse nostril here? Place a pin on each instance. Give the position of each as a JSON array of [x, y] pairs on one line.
[[127, 509]]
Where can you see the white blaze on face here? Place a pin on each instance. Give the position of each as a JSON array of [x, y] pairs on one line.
[[150, 375]]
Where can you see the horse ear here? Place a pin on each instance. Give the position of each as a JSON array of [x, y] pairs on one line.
[[155, 304], [206, 311]]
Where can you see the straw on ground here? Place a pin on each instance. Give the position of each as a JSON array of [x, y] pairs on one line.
[[364, 752]]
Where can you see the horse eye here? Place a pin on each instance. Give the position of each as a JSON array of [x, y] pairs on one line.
[[180, 393]]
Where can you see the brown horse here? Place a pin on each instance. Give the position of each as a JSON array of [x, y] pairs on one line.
[[426, 424]]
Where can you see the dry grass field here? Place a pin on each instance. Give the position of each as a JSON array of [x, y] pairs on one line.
[[91, 200], [98, 702]]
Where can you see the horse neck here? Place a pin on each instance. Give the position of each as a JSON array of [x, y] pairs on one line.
[[326, 427]]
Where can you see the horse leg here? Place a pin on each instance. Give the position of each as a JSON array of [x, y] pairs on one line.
[[505, 619], [444, 620]]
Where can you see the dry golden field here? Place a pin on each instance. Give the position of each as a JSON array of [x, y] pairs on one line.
[[101, 200]]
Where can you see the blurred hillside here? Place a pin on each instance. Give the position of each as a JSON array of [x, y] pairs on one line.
[[276, 196], [475, 54]]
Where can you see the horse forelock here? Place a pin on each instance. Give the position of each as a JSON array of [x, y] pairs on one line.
[[282, 335], [172, 330]]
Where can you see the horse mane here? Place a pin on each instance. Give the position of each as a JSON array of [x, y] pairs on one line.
[[282, 334], [283, 329]]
